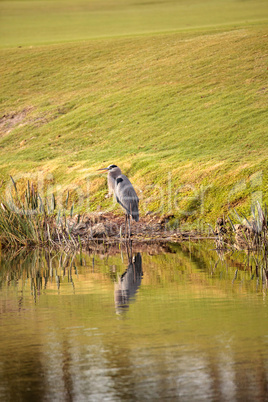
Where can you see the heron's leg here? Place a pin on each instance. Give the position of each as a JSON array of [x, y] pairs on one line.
[[129, 251], [126, 225], [129, 218]]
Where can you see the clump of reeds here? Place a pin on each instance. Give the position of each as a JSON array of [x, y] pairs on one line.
[[241, 232], [29, 220], [251, 233]]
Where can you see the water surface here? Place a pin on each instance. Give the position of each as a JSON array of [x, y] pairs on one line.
[[184, 323]]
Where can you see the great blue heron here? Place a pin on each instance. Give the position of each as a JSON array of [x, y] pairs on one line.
[[124, 193]]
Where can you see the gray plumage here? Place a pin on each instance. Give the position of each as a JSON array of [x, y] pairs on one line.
[[123, 191]]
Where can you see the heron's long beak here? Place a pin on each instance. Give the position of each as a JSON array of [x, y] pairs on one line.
[[102, 169]]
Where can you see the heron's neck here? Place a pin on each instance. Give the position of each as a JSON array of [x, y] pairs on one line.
[[115, 173]]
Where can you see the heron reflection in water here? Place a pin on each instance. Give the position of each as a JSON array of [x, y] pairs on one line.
[[128, 284]]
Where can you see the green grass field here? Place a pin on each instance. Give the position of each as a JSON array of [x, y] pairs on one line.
[[173, 92], [46, 21]]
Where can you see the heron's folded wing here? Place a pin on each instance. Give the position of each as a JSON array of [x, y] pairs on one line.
[[127, 197]]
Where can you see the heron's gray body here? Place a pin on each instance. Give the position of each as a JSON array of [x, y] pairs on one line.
[[123, 191]]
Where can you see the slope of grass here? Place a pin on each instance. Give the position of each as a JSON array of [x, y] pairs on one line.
[[184, 114]]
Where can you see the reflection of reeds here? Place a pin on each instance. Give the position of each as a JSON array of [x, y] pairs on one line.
[[40, 268]]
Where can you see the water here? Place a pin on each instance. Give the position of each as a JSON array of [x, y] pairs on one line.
[[182, 324]]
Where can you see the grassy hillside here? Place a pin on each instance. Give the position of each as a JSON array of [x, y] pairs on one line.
[[183, 113]]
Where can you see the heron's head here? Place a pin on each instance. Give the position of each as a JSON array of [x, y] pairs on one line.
[[112, 169]]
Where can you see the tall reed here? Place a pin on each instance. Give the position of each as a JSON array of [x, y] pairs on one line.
[[251, 233], [27, 219]]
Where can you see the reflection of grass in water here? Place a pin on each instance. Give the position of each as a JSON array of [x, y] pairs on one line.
[[169, 333], [196, 266]]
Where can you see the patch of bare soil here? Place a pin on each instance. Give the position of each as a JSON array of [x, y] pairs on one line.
[[9, 120], [106, 228]]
